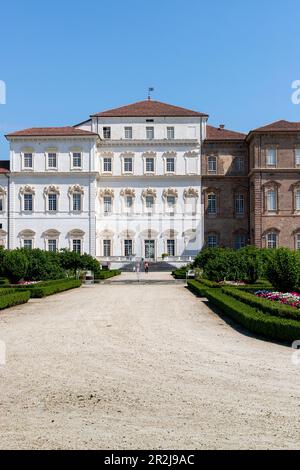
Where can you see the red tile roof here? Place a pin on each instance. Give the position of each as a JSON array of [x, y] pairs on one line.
[[4, 166], [278, 126], [50, 132], [149, 108], [218, 133]]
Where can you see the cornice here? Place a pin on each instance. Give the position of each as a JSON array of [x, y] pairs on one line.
[[148, 142]]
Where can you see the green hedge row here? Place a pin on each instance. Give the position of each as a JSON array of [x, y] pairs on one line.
[[179, 273], [9, 299], [103, 274], [6, 290], [264, 305], [247, 316], [50, 287]]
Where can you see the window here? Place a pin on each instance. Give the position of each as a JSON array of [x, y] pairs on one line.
[[271, 157], [170, 165], [150, 132], [128, 132], [212, 204], [106, 132], [1, 204], [149, 202], [107, 204], [27, 160], [271, 200], [298, 241], [76, 160], [28, 202], [171, 201], [52, 245], [170, 133], [298, 156], [107, 166], [129, 202], [52, 202], [240, 241], [128, 247], [76, 202], [52, 160], [76, 245], [212, 165], [171, 247], [150, 164], [212, 240], [239, 204], [297, 200], [239, 164], [27, 244], [106, 247], [272, 240], [128, 165]]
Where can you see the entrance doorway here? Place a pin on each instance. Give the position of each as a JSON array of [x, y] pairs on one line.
[[149, 249]]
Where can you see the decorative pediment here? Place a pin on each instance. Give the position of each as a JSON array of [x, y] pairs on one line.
[[2, 191], [191, 154], [27, 233], [149, 154], [127, 234], [271, 185], [76, 233], [106, 154], [189, 234], [27, 189], [169, 154], [169, 234], [149, 192], [75, 188], [51, 233], [127, 154], [127, 192], [293, 186], [52, 189], [170, 192], [190, 192], [3, 233], [105, 234], [149, 234], [106, 192]]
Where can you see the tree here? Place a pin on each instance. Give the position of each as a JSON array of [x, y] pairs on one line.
[[283, 270], [15, 264]]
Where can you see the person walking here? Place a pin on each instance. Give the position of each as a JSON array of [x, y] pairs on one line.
[[146, 267]]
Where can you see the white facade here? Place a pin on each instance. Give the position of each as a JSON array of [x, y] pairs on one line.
[[137, 182]]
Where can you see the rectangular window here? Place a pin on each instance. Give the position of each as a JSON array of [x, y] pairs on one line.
[[239, 204], [212, 165], [27, 244], [271, 201], [150, 132], [170, 165], [128, 132], [212, 240], [271, 240], [52, 245], [129, 202], [298, 241], [150, 165], [52, 202], [212, 204], [271, 157], [239, 164], [107, 204], [77, 160], [128, 247], [106, 132], [171, 202], [171, 247], [76, 246], [1, 204], [52, 160], [77, 202], [28, 202], [106, 247], [149, 202], [128, 165], [27, 160], [239, 241], [107, 166], [170, 133], [298, 156]]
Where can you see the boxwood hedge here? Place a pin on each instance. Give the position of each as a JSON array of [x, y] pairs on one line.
[[49, 287], [103, 274], [9, 299]]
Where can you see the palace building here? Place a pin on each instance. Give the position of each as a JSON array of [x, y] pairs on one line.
[[150, 180]]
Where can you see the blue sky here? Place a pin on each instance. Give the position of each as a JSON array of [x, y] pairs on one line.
[[63, 60]]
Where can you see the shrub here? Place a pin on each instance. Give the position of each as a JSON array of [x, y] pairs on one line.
[[283, 270], [252, 319], [51, 287], [42, 265], [105, 274], [15, 264], [180, 273], [9, 299]]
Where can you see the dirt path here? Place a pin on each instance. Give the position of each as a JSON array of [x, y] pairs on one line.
[[141, 366]]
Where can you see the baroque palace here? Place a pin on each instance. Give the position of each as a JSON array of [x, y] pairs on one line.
[[150, 180]]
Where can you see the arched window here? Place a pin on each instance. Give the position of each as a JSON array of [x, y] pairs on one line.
[[272, 240]]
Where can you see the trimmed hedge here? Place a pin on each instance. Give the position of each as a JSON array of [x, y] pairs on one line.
[[208, 283], [43, 289], [6, 290], [179, 273], [247, 316], [264, 305], [13, 298], [103, 274]]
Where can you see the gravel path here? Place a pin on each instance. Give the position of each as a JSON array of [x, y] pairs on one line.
[[141, 366]]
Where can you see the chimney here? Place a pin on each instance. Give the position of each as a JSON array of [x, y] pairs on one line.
[[222, 126]]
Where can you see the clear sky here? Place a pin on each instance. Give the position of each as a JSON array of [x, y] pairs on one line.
[[62, 60]]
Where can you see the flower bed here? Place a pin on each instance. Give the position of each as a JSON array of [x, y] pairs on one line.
[[287, 298]]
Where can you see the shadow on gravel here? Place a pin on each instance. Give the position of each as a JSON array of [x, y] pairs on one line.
[[236, 326]]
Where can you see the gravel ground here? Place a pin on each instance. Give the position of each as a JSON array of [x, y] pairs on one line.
[[141, 366]]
